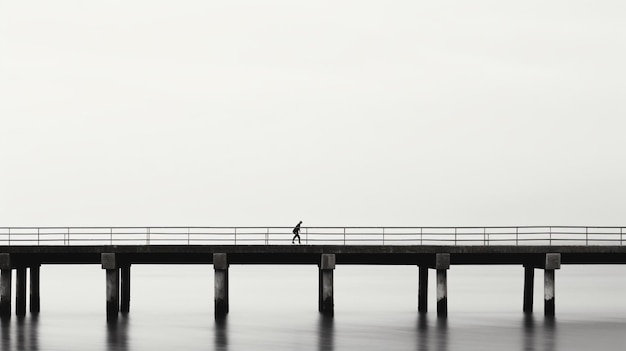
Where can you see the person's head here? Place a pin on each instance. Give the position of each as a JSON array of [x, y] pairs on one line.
[[300, 222]]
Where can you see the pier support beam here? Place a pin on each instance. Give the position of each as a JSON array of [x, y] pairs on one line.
[[422, 293], [220, 265], [529, 287], [6, 276], [125, 302], [552, 263], [112, 285], [35, 301], [442, 264], [326, 295], [20, 292]]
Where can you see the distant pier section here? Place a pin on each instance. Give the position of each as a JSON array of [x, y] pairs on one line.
[[24, 250]]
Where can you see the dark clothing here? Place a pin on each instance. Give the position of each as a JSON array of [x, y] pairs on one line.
[[296, 232]]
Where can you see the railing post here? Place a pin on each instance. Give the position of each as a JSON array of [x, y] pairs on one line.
[[421, 236], [587, 236], [344, 237], [188, 236], [267, 236], [550, 236], [484, 236], [455, 236], [38, 236], [111, 234], [9, 236], [148, 236], [383, 236], [235, 236], [516, 236]]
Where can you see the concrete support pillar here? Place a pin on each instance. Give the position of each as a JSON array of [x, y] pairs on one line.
[[220, 265], [548, 291], [422, 293], [326, 295], [125, 298], [35, 304], [529, 287], [553, 262], [112, 286], [442, 264], [20, 292], [6, 277]]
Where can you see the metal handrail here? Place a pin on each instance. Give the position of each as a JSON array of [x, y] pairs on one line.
[[279, 235]]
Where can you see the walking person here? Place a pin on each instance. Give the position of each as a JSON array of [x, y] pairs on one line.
[[296, 233]]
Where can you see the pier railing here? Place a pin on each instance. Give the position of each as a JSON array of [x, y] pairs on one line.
[[485, 236]]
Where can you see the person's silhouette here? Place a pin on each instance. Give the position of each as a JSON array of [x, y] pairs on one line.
[[296, 233]]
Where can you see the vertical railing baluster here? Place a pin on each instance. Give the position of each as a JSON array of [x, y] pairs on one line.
[[344, 236], [148, 236], [421, 236], [455, 236], [188, 236], [550, 236], [484, 236], [586, 236], [68, 236], [111, 235], [235, 236], [516, 236], [383, 236], [9, 236], [38, 244]]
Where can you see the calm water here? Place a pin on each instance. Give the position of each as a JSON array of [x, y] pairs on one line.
[[275, 308]]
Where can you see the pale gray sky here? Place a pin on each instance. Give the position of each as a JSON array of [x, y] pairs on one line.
[[331, 112]]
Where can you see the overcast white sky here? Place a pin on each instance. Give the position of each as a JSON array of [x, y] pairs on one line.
[[331, 112]]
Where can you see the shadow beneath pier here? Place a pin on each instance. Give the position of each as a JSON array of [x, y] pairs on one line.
[[325, 333], [117, 334], [221, 333]]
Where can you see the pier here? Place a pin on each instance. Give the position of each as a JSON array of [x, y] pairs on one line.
[[436, 249]]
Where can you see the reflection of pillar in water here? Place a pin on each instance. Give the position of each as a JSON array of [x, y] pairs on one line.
[[325, 333], [117, 335], [221, 334]]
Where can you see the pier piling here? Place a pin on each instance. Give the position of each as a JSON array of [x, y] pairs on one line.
[[6, 277], [35, 303], [125, 290], [20, 292], [326, 294], [112, 285], [422, 293], [529, 286], [442, 264], [220, 265], [553, 262]]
